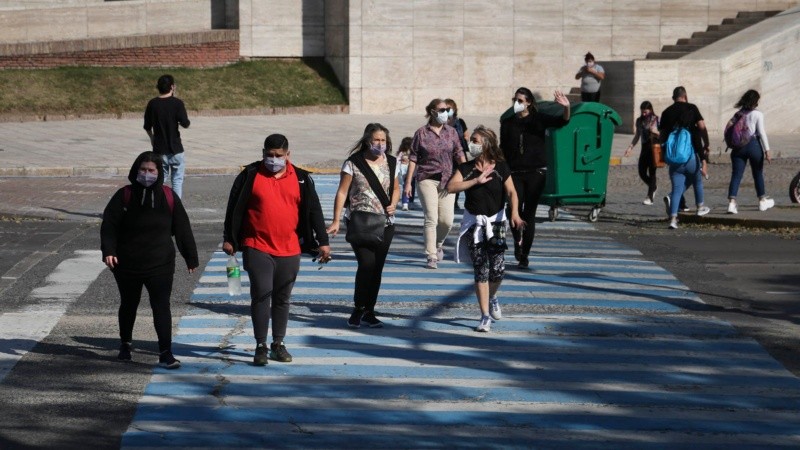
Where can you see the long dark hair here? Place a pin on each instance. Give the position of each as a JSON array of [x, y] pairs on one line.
[[528, 96], [365, 142], [749, 100]]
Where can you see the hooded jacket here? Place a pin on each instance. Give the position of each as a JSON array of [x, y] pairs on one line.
[[310, 226], [140, 233]]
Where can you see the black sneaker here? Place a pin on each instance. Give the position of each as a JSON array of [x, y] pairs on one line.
[[517, 253], [125, 351], [260, 358], [523, 262], [277, 351], [165, 359], [355, 318], [370, 319]]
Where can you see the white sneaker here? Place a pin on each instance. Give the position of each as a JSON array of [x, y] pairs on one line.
[[673, 224], [485, 325], [405, 207], [494, 309], [765, 204], [703, 210], [647, 201], [732, 208]]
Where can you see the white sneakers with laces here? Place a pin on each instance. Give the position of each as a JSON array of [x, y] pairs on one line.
[[703, 210], [732, 209], [765, 203], [485, 325], [494, 309]]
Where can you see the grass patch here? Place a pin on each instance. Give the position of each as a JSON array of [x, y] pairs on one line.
[[98, 90]]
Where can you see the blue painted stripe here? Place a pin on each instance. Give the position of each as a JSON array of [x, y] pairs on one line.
[[576, 422], [453, 393]]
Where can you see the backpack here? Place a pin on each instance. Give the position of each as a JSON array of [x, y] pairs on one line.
[[737, 133], [679, 146], [127, 192]]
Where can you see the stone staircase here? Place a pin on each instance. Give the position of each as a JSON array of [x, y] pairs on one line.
[[714, 33]]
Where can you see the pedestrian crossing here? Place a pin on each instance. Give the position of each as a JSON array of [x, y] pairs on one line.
[[595, 350]]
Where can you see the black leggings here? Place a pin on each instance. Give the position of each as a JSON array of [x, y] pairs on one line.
[[529, 187], [647, 169], [370, 270], [159, 288], [271, 282]]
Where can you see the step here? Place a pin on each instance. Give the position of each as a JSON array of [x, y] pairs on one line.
[[682, 48], [742, 21], [712, 34], [666, 55], [696, 41], [762, 14], [731, 27]]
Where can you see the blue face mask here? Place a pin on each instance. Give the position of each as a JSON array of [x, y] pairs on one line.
[[274, 164], [377, 149]]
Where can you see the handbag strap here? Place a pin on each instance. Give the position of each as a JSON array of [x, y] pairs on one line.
[[361, 163]]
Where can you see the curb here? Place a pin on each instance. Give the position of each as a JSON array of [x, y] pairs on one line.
[[66, 172]]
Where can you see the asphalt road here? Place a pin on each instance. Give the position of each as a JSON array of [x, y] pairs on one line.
[[70, 390]]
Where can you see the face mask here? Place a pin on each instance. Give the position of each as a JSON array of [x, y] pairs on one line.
[[451, 113], [518, 107], [146, 179], [274, 164], [377, 149], [590, 64], [442, 117], [475, 149]]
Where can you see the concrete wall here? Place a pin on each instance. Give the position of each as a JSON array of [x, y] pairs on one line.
[[39, 21], [764, 57], [400, 54]]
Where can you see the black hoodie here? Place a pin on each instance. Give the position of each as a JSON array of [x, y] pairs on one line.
[[140, 233]]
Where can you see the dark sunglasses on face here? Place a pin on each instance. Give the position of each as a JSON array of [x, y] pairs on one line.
[[441, 110]]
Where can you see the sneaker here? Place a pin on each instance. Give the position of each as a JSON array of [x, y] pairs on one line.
[[370, 319], [673, 223], [277, 351], [765, 204], [125, 351], [523, 262], [405, 207], [439, 253], [260, 358], [686, 209], [165, 359], [703, 210], [647, 201], [494, 309], [732, 208], [667, 204], [485, 325], [355, 318], [432, 264]]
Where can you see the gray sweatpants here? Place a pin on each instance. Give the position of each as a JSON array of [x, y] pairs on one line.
[[271, 282]]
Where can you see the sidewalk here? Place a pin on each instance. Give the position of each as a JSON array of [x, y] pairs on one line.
[[221, 145]]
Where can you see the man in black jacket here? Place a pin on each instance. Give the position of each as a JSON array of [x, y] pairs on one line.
[[273, 215], [161, 119]]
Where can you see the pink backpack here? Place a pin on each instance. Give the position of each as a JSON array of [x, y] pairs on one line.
[[737, 133]]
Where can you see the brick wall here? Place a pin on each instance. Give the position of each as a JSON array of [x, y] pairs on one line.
[[202, 49]]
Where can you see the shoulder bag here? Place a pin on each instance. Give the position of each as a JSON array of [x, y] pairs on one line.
[[365, 229]]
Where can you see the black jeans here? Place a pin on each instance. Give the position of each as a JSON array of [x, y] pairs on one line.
[[159, 288], [590, 96], [529, 187], [370, 270], [647, 169], [271, 281]]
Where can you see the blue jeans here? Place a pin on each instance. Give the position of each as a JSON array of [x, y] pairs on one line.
[[754, 153], [684, 176], [174, 167]]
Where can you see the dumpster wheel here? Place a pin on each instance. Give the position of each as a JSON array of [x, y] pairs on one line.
[[553, 213], [594, 214]]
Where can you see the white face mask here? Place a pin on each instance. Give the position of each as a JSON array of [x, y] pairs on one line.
[[518, 107], [475, 149], [442, 117], [451, 113], [274, 164], [146, 179]]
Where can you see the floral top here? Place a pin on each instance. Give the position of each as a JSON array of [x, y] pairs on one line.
[[361, 195]]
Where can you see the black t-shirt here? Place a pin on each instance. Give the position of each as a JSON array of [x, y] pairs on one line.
[[488, 198], [522, 140], [163, 115], [682, 114]]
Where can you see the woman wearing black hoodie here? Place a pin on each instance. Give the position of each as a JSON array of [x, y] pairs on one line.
[[136, 240], [522, 139]]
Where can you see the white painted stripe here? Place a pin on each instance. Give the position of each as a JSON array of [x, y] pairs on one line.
[[21, 331], [468, 291]]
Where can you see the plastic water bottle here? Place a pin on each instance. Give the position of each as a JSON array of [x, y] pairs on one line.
[[234, 276]]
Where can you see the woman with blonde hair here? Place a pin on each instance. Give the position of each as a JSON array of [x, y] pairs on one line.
[[486, 182]]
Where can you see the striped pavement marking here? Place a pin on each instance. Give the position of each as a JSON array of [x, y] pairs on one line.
[[595, 350]]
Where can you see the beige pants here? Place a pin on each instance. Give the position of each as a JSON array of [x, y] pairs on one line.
[[437, 206]]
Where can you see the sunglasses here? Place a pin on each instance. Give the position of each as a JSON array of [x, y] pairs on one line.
[[442, 110]]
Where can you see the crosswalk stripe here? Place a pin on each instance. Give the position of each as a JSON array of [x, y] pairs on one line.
[[594, 350]]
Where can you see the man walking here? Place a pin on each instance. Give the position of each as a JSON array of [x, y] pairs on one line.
[[161, 119], [682, 114]]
